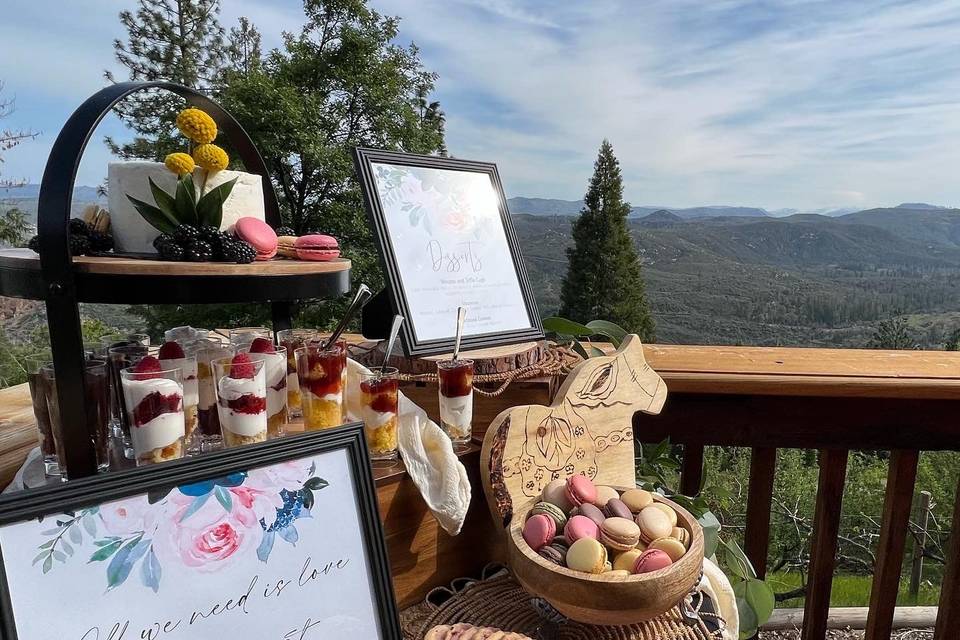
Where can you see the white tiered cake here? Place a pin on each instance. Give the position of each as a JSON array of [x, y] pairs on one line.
[[131, 233]]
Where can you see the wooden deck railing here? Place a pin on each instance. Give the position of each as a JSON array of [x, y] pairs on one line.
[[833, 401]]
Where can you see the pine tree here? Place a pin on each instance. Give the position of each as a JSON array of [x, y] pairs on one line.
[[176, 40], [603, 280], [244, 53], [9, 138]]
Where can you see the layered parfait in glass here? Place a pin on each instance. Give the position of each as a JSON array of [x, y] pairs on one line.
[[154, 400], [241, 399], [291, 340], [275, 367], [172, 356], [208, 416], [456, 399], [379, 400], [323, 376]]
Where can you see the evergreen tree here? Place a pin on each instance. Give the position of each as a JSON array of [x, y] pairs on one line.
[[893, 334], [603, 280], [176, 40], [244, 53]]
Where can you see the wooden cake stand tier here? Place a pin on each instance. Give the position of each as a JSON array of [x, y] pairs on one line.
[[134, 281]]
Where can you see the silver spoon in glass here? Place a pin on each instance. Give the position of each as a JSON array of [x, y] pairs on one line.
[[461, 316], [391, 341], [363, 295]]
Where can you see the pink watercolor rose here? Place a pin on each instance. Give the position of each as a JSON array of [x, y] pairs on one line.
[[286, 475], [130, 515], [208, 538]]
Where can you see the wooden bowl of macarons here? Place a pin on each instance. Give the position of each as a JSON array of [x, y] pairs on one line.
[[616, 585]]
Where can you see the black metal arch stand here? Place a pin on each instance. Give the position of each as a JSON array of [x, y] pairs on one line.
[[56, 192]]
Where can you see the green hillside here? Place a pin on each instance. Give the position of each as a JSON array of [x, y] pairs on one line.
[[801, 280]]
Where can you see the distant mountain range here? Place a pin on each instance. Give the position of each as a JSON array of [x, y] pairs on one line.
[[555, 207]]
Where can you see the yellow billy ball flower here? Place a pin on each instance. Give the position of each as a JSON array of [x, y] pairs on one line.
[[211, 157], [197, 125], [179, 163]]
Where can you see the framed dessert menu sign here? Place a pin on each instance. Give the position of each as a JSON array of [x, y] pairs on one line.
[[279, 540], [446, 240]]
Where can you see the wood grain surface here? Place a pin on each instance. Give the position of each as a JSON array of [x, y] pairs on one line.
[[602, 599], [587, 429], [485, 361], [26, 259]]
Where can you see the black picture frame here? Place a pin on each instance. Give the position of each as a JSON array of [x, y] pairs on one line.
[[77, 494], [412, 344]]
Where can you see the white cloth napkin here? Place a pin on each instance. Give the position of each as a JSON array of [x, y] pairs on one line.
[[427, 453], [717, 586]]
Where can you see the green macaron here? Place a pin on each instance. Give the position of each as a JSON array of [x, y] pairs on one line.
[[552, 511]]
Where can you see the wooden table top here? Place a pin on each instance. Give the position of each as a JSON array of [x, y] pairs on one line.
[[854, 373]]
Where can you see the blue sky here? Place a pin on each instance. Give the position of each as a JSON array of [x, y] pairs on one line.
[[790, 103]]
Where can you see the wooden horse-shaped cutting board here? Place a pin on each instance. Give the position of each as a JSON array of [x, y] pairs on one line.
[[588, 429]]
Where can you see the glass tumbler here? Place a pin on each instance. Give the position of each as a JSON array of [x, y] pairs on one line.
[[241, 401], [96, 402], [118, 359], [291, 340], [208, 417], [275, 366], [456, 400], [323, 375], [241, 337], [154, 405], [191, 393], [34, 364], [379, 397]]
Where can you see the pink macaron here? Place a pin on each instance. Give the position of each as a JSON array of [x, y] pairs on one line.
[[580, 490], [317, 246], [259, 235], [579, 527], [538, 530], [651, 560]]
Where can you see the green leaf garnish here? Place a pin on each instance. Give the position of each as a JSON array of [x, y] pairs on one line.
[[165, 202], [159, 220], [210, 205], [186, 201]]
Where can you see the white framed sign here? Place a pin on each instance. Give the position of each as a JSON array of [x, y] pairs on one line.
[[446, 241], [275, 541]]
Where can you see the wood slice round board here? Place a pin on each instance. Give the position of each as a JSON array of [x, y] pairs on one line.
[[485, 361], [588, 429]]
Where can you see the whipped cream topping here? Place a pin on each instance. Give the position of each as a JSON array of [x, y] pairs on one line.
[[374, 419], [275, 366], [165, 428], [457, 412], [242, 424], [191, 386]]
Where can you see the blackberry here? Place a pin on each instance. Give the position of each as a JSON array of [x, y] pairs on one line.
[[163, 238], [100, 241], [79, 245], [184, 233], [34, 244], [78, 227], [208, 233], [285, 231], [171, 251], [199, 251], [238, 251]]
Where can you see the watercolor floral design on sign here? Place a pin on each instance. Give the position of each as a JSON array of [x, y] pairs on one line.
[[203, 526], [429, 196]]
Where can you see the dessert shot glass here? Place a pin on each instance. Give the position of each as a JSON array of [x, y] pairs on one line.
[[379, 397], [208, 436], [322, 374], [191, 393], [456, 400], [275, 367], [241, 337], [118, 359], [96, 401], [183, 335], [154, 404], [34, 364], [241, 401], [291, 340]]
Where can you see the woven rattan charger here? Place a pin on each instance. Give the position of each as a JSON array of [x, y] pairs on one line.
[[502, 603]]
